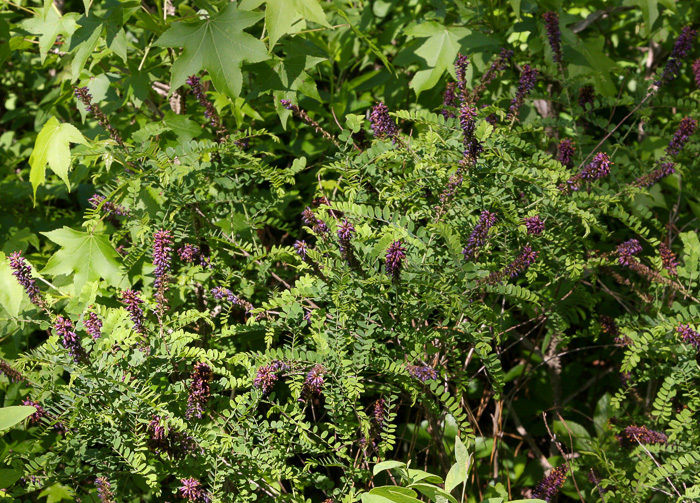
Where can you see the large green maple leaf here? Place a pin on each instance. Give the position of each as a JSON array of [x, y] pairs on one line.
[[218, 45], [49, 24], [86, 256]]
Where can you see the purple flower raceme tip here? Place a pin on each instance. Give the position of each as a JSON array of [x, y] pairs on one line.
[[220, 293], [83, 94], [682, 47], [696, 71], [313, 382], [422, 373], [162, 241], [193, 491], [449, 99], [626, 252], [682, 135], [586, 96], [104, 490], [317, 225], [534, 225], [668, 259], [548, 488], [132, 303], [461, 65], [379, 413], [523, 262], [93, 325], [467, 121], [267, 376], [528, 79], [209, 110], [108, 206], [497, 66], [395, 255], [381, 123], [23, 272], [199, 390], [478, 236], [688, 335], [345, 233], [12, 374], [566, 152], [665, 169], [598, 168], [634, 435], [40, 414], [551, 20], [301, 248], [70, 340]]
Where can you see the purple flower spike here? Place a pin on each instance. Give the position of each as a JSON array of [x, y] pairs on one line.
[[93, 325], [683, 46], [422, 373], [548, 488], [472, 146], [395, 256], [632, 435], [689, 336], [209, 110], [108, 206], [265, 378], [627, 250], [286, 104], [83, 94], [317, 225], [12, 374], [301, 248], [668, 259], [599, 168], [314, 382], [132, 303], [665, 169], [566, 152], [161, 260], [449, 99], [199, 390], [70, 340], [479, 234], [535, 225], [39, 414], [104, 490], [497, 66], [192, 491], [551, 20], [382, 124], [23, 272], [696, 71], [220, 293], [345, 233], [685, 130], [461, 71], [528, 78]]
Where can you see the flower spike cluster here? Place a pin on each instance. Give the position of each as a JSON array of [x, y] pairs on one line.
[[683, 46], [566, 152], [108, 206], [199, 390], [70, 340], [162, 241], [634, 435], [317, 225], [12, 374], [191, 254], [551, 20], [534, 225], [689, 336], [395, 256], [93, 325], [104, 490], [193, 491], [209, 111], [596, 169], [478, 236], [422, 373], [267, 376], [472, 146], [83, 94], [132, 303], [685, 130], [696, 71], [668, 259], [381, 123], [548, 488], [313, 383], [528, 79], [586, 96], [23, 272]]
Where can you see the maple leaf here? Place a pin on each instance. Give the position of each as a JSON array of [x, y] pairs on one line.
[[86, 256], [52, 147], [218, 45], [49, 24], [280, 15]]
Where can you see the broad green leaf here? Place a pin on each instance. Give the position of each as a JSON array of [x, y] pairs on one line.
[[218, 45], [396, 494], [436, 494], [8, 476], [10, 416], [459, 471], [439, 51], [280, 15], [650, 12], [87, 256], [49, 24], [83, 42], [52, 147], [387, 465], [57, 492], [354, 122], [11, 292], [515, 4]]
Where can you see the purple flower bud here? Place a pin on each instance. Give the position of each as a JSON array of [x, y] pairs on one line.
[[668, 259], [627, 250], [193, 492], [395, 256], [566, 152], [535, 226], [379, 413], [632, 435], [132, 303], [301, 248], [70, 340], [175, 444], [528, 79], [314, 382], [23, 272], [93, 325], [161, 260], [586, 96], [548, 488], [188, 253], [665, 169], [696, 71], [551, 20], [685, 129], [422, 373], [683, 46], [689, 336], [199, 390], [104, 490], [345, 233], [381, 123], [478, 236], [12, 374]]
